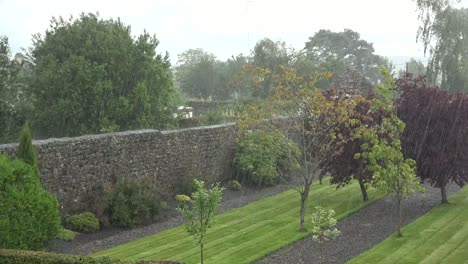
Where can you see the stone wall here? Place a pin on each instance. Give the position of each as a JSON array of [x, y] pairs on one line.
[[74, 168]]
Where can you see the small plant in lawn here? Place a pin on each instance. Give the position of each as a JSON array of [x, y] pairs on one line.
[[323, 229], [199, 212], [85, 223]]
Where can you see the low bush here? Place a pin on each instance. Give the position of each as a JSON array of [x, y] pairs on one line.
[[9, 256], [186, 185], [66, 235], [182, 198], [262, 156], [29, 215], [134, 203], [234, 185], [84, 223]]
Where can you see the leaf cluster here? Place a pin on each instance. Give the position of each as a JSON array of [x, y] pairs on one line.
[[435, 134], [264, 156], [199, 213], [393, 173], [323, 225]]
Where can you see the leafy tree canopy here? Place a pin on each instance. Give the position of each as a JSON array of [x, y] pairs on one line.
[[201, 75], [435, 134], [13, 98], [448, 63], [337, 51], [92, 76]]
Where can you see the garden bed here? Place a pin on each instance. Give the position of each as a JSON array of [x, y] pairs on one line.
[[84, 244]]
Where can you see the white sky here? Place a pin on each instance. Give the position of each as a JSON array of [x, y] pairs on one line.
[[229, 27]]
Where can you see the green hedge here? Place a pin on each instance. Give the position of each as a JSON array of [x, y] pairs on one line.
[[11, 256]]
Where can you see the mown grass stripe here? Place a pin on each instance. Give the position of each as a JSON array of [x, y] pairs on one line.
[[440, 236], [244, 234]]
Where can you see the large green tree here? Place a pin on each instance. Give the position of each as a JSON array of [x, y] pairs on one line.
[[337, 51], [268, 54], [306, 115], [92, 76], [196, 73], [201, 75], [449, 54], [14, 102], [415, 67], [428, 10]]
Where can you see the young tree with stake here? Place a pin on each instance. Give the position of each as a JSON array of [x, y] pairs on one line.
[[200, 210], [323, 229], [393, 174]]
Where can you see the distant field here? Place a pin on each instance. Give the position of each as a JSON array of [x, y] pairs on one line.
[[245, 234], [440, 236]]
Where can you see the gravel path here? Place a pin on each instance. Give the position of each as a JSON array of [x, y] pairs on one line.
[[360, 231], [84, 244]]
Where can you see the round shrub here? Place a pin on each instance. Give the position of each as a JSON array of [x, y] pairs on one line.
[[84, 223], [234, 185], [182, 198], [29, 215], [134, 203], [262, 156]]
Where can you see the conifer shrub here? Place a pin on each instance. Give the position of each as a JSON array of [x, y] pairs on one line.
[[29, 215]]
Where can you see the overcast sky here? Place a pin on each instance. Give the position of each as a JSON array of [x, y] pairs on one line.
[[229, 27]]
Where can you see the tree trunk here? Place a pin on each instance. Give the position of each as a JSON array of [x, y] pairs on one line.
[[201, 253], [399, 215], [321, 247], [363, 190], [302, 213], [304, 197], [443, 191]]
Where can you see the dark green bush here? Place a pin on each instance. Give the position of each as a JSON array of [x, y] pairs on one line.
[[29, 215], [186, 185], [134, 203], [9, 256], [234, 185], [84, 223], [213, 118], [263, 156]]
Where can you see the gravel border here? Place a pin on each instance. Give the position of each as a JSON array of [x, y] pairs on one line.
[[360, 231], [85, 244]]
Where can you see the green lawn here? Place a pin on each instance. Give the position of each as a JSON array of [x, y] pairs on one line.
[[245, 234], [440, 236]]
